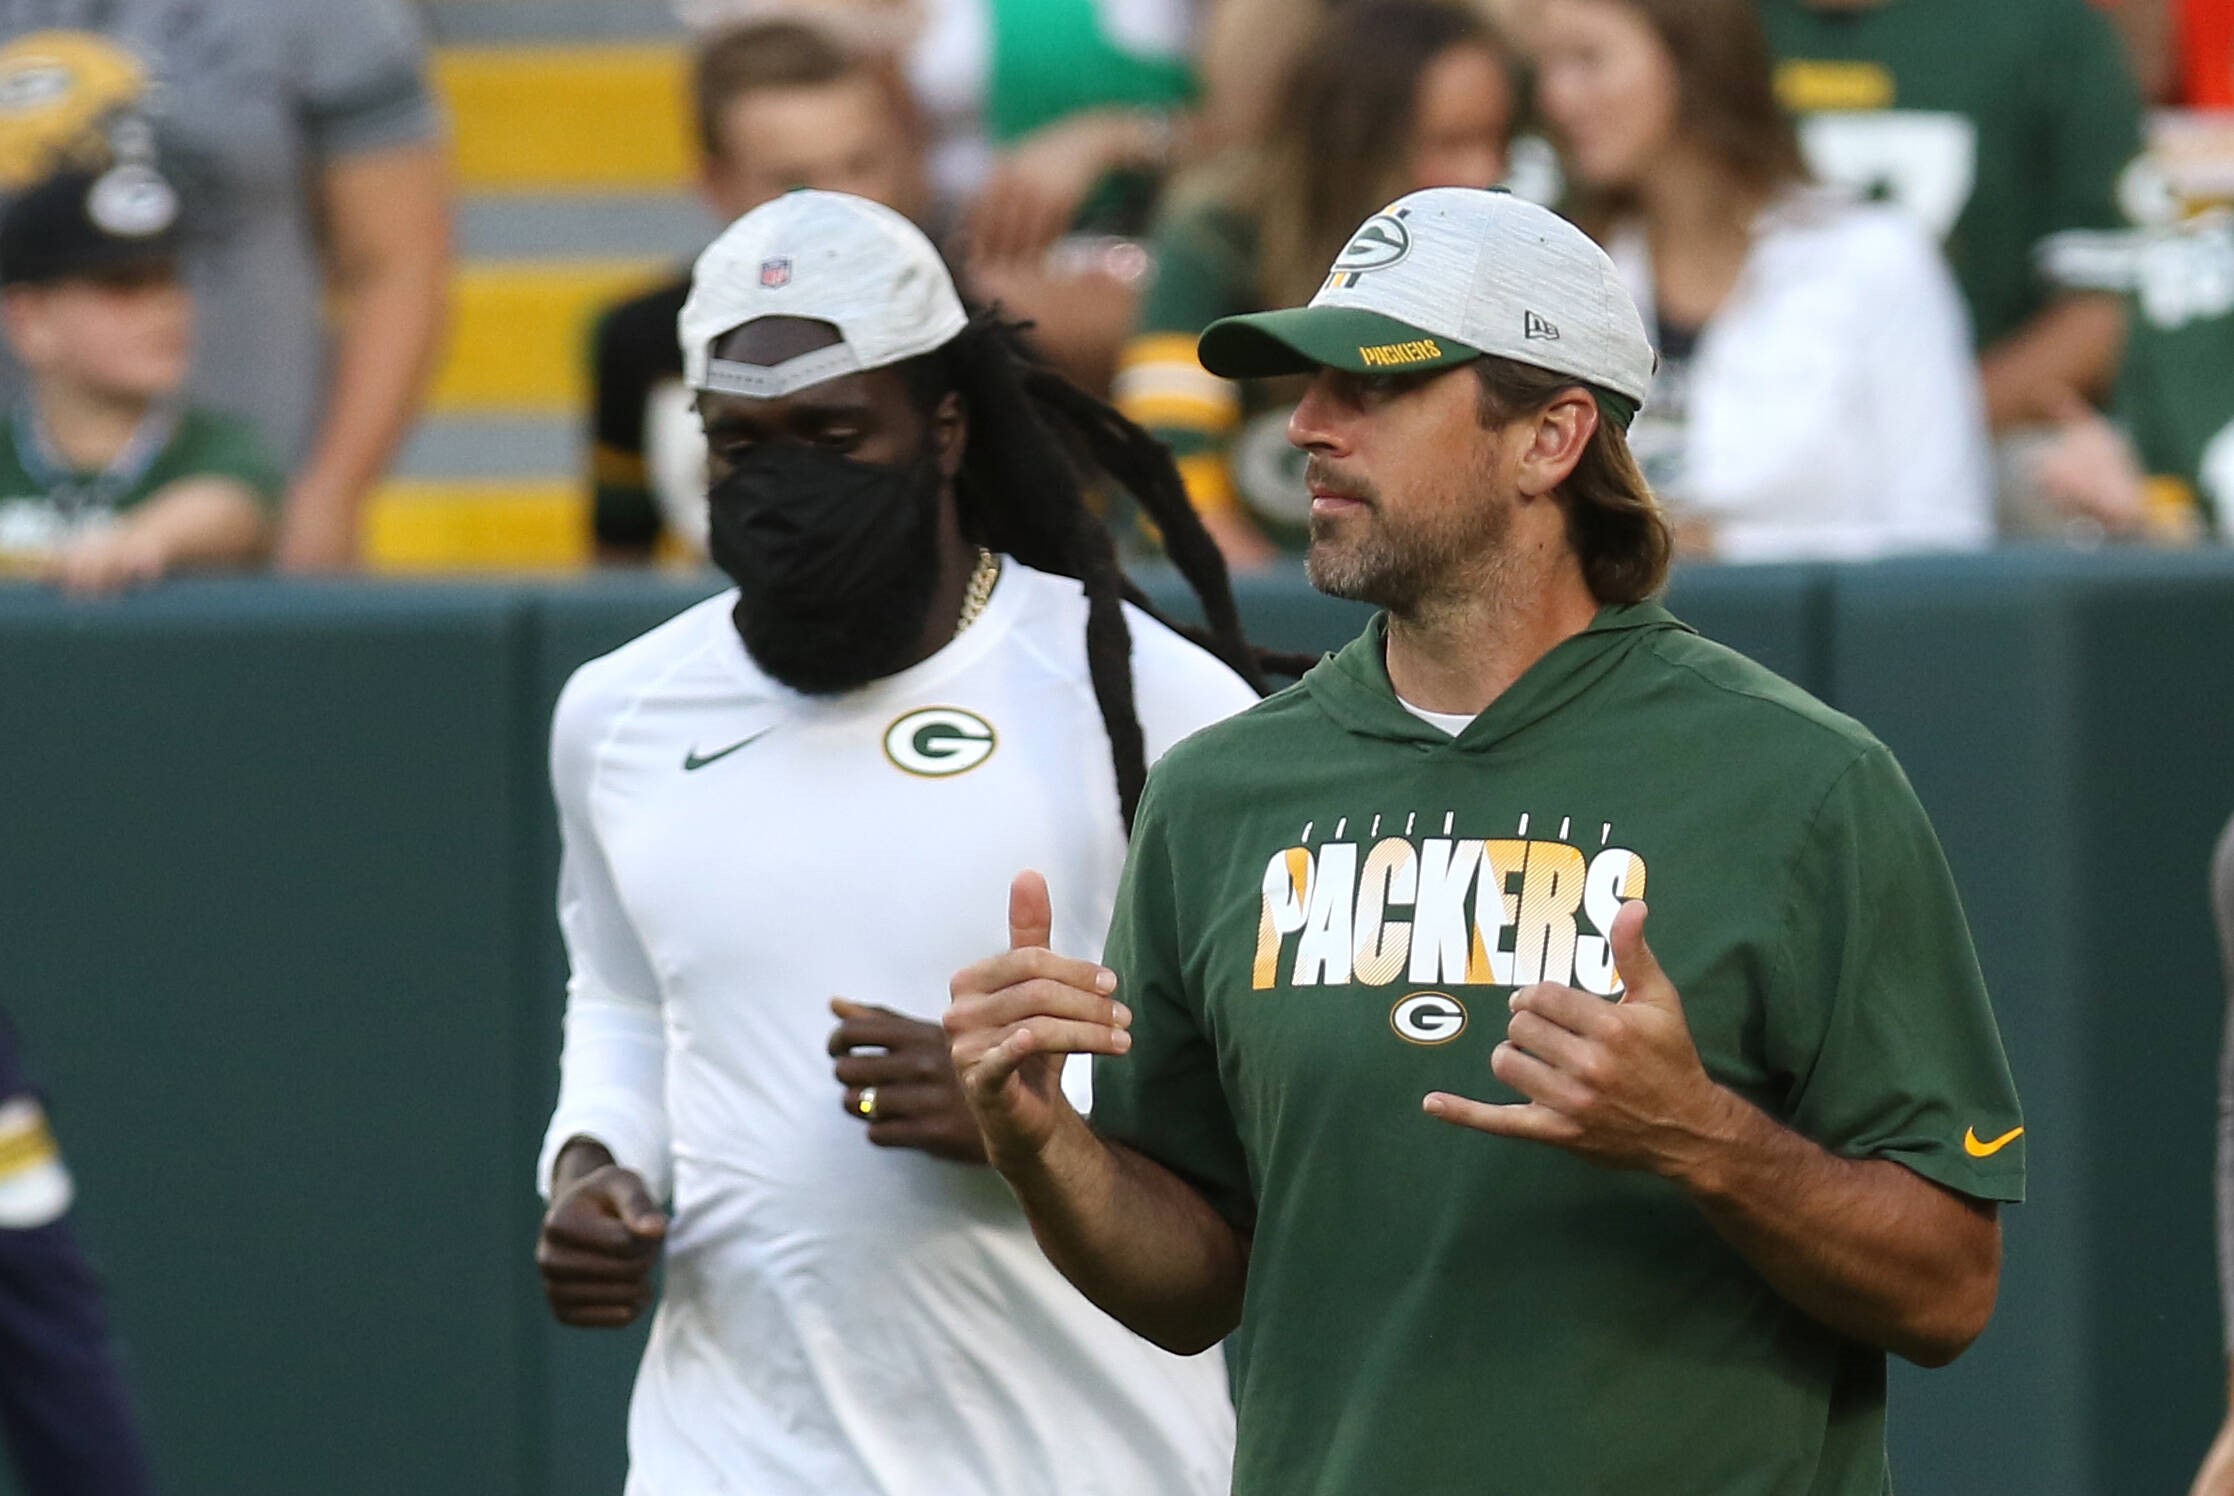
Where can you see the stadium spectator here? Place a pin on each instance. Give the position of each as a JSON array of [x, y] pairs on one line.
[[2003, 125], [1030, 107], [777, 104], [1052, 128], [1816, 396], [1389, 96], [306, 139], [2163, 471], [64, 1412], [106, 479], [2216, 1478]]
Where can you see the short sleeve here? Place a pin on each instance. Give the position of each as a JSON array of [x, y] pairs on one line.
[[361, 77], [2093, 117], [1880, 1013], [1164, 1098]]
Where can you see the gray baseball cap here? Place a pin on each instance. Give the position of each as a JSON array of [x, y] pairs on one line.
[[1443, 276]]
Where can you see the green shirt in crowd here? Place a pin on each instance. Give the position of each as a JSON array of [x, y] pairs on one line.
[[1328, 902], [1229, 438], [2002, 123], [2176, 390], [43, 506]]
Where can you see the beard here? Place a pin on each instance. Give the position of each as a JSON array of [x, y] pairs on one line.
[[1459, 541], [824, 647]]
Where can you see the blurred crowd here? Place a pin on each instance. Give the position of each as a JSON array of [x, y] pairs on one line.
[[1917, 279]]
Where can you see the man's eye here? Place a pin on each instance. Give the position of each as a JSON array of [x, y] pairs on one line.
[[839, 438]]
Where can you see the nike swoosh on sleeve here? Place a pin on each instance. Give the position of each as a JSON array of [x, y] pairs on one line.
[[1977, 1149]]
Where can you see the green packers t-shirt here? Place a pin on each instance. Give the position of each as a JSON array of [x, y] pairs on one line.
[[1327, 905], [39, 514], [2001, 123]]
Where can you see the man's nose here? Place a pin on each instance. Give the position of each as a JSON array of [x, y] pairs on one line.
[[1315, 424]]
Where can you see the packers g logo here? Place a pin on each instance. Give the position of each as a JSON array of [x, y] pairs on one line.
[[934, 742], [1382, 241], [1428, 1018]]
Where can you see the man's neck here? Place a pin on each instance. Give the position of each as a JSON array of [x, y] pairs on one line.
[[957, 562], [1460, 654], [86, 429]]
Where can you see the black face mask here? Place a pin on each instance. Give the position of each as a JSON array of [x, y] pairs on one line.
[[835, 562]]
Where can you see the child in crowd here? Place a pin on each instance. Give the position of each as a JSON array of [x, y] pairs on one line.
[[108, 480]]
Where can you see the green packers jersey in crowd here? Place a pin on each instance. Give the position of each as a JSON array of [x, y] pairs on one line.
[[2000, 122], [2176, 391], [1327, 905], [41, 509], [1230, 438]]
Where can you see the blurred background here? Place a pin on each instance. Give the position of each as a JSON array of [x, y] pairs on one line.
[[345, 419]]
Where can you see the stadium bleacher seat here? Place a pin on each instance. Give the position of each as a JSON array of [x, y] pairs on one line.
[[572, 160]]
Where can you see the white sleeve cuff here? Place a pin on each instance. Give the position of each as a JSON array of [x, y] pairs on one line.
[[636, 1138]]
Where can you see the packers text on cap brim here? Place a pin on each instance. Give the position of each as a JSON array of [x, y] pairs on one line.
[[1296, 340]]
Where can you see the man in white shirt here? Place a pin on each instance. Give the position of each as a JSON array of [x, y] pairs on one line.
[[800, 798]]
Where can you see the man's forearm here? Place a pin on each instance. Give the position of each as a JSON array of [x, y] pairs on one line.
[[388, 267], [2070, 348], [1133, 1237], [1863, 1245], [202, 521]]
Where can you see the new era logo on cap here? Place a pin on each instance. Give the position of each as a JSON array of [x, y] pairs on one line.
[[1533, 326]]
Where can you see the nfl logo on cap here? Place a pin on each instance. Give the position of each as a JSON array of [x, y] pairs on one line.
[[826, 257]]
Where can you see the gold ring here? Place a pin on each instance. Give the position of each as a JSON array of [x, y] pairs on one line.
[[867, 1105]]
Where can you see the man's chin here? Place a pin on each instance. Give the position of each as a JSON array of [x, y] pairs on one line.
[[826, 661], [1339, 570]]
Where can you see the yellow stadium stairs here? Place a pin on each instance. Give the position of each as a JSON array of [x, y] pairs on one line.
[[572, 157]]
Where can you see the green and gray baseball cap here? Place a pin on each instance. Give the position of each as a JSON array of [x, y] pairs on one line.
[[1446, 275]]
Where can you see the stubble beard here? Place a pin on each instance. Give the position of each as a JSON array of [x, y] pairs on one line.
[[1461, 543]]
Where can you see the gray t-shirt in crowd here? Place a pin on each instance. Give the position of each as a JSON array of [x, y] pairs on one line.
[[247, 99]]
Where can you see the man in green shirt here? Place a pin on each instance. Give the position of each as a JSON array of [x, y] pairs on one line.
[[2006, 125], [1708, 1184]]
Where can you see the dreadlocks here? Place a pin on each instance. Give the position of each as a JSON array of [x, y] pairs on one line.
[[1022, 491]]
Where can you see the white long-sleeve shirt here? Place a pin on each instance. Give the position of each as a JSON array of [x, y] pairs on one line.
[[1832, 409], [840, 1319]]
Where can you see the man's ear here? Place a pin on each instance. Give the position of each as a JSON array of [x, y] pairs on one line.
[[950, 433], [1559, 434]]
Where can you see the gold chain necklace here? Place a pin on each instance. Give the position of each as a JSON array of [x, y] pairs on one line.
[[980, 590]]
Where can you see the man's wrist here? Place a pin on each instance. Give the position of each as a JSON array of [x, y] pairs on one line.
[[1032, 1168], [580, 1157], [1716, 1138]]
